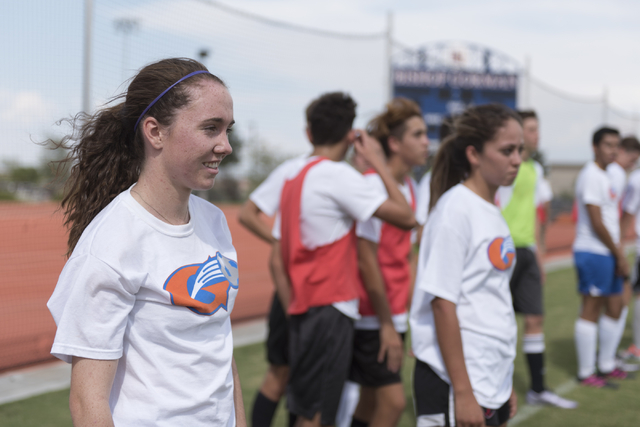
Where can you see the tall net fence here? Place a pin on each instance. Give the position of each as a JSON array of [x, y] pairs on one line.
[[272, 69], [567, 121]]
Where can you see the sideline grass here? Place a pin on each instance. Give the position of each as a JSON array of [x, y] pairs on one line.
[[620, 408]]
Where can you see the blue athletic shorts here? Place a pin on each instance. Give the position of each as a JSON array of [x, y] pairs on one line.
[[597, 274]]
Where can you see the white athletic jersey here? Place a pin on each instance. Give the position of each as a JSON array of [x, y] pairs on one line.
[[594, 187], [267, 195], [423, 198], [371, 230], [334, 194], [618, 178], [157, 298], [467, 257], [631, 202]]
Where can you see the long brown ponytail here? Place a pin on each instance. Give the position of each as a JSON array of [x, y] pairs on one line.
[[106, 154], [475, 126]]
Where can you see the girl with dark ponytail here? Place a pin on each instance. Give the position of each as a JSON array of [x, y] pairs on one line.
[[462, 320], [143, 303]]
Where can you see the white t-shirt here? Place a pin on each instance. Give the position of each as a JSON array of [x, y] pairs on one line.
[[631, 202], [594, 187], [618, 178], [467, 257], [371, 231], [334, 194], [423, 197], [128, 293]]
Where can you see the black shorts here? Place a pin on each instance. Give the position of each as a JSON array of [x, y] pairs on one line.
[[365, 368], [434, 400], [320, 343], [526, 283], [278, 338]]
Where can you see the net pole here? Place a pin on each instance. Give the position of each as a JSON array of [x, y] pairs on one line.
[[527, 82], [605, 105], [389, 57], [86, 62]]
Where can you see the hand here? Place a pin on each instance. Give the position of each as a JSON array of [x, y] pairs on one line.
[[468, 412], [622, 266], [513, 404], [391, 346], [370, 149]]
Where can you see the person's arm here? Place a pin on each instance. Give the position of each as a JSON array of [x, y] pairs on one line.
[[625, 224], [249, 216], [540, 249], [468, 411], [241, 418], [279, 275], [91, 382], [413, 265], [395, 210], [513, 403], [390, 341], [595, 216]]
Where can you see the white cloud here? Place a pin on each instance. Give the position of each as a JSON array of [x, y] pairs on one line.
[[23, 107]]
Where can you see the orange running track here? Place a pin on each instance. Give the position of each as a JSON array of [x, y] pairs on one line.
[[32, 251]]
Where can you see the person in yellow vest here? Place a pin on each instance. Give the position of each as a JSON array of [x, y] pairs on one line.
[[518, 203]]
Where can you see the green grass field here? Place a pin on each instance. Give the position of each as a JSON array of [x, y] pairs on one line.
[[618, 408]]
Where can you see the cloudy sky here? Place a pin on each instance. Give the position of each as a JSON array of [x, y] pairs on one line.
[[580, 48]]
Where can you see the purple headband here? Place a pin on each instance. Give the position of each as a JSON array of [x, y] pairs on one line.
[[162, 94]]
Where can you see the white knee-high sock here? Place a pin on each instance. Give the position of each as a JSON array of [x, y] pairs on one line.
[[586, 336], [636, 322], [622, 323], [608, 333]]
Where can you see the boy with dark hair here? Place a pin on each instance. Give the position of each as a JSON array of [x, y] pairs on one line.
[[518, 203], [319, 204], [600, 263]]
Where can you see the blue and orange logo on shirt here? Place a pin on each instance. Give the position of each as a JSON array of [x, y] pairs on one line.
[[204, 288], [502, 252]]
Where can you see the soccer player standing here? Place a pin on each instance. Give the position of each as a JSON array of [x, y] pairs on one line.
[[600, 264], [318, 207], [518, 203]]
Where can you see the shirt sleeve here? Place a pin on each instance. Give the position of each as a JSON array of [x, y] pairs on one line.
[[544, 193], [267, 195], [90, 305], [353, 193], [371, 228], [593, 191], [442, 262]]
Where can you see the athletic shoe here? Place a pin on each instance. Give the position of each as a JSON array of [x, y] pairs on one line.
[[596, 381], [632, 353], [549, 398], [616, 374], [627, 367]]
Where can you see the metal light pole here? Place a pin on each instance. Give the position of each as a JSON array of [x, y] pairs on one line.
[[127, 26], [86, 61], [389, 54]]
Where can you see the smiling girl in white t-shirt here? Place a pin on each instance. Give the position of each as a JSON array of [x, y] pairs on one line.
[[142, 305], [463, 325]]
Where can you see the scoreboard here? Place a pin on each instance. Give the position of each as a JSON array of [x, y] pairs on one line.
[[447, 92]]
